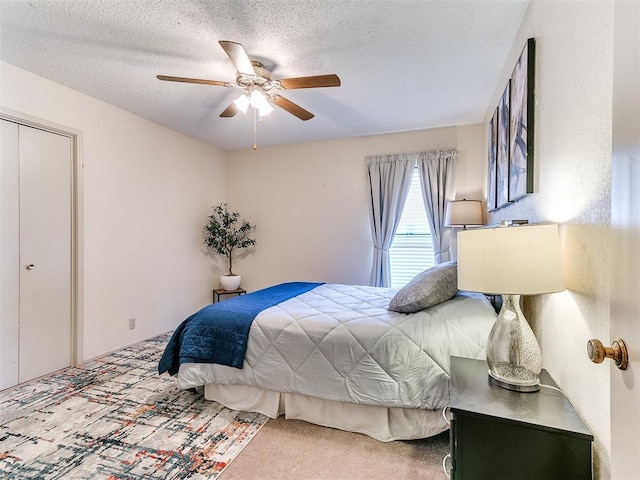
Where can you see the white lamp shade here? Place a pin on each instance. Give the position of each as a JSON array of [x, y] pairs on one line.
[[460, 213], [259, 102], [519, 260], [242, 102]]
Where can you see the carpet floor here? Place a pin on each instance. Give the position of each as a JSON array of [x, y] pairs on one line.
[[115, 418], [297, 450]]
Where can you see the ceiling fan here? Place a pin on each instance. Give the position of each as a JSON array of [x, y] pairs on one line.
[[260, 89]]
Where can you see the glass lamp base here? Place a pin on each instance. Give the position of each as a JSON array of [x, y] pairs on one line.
[[513, 353]]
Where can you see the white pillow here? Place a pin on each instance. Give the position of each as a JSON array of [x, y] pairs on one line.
[[431, 287]]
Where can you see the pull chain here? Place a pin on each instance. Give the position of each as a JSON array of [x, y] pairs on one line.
[[255, 128]]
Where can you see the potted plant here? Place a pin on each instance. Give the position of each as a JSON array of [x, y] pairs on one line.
[[224, 233]]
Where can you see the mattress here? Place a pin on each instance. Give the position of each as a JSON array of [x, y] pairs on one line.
[[340, 343]]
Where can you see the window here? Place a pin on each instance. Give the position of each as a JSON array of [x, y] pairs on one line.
[[411, 251]]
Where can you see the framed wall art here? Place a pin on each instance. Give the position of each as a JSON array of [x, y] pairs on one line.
[[493, 152], [521, 108], [502, 153]]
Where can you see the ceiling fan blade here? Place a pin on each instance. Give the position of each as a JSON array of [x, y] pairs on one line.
[[238, 56], [330, 80], [292, 108], [230, 111], [216, 83]]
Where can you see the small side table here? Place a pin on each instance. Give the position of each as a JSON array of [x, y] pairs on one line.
[[500, 434], [218, 293]]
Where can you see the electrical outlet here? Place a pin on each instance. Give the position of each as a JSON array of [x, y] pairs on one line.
[[132, 323]]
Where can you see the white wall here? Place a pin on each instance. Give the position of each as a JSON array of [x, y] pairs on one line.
[[574, 48], [309, 202], [146, 193]]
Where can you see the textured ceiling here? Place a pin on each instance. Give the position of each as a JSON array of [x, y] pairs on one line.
[[404, 65]]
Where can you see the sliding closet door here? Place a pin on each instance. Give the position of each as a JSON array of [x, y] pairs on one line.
[[45, 252], [35, 252], [9, 251]]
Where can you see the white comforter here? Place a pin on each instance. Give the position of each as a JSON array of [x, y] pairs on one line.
[[339, 342]]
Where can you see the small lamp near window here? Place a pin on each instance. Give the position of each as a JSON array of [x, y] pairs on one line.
[[460, 213], [511, 261]]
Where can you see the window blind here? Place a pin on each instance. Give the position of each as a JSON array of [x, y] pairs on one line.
[[412, 250]]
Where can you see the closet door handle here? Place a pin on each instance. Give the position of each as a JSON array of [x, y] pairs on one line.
[[31, 266]]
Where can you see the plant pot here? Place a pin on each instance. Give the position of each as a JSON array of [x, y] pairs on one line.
[[230, 282]]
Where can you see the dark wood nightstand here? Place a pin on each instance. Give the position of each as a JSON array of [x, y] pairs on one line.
[[221, 292], [500, 434]]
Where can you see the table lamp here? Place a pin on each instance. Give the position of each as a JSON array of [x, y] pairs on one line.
[[460, 213], [511, 261]]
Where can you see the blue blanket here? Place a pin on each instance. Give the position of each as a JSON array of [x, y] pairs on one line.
[[219, 332]]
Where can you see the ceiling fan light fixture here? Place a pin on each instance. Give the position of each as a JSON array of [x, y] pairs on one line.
[[265, 110], [242, 102], [260, 103], [260, 89]]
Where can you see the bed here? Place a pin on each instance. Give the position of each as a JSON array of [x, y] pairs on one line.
[[335, 355]]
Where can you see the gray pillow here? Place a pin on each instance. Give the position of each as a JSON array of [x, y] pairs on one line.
[[431, 287]]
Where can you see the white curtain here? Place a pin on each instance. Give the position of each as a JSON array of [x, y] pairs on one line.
[[437, 174], [389, 179]]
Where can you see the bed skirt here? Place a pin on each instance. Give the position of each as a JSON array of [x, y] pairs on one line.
[[382, 423]]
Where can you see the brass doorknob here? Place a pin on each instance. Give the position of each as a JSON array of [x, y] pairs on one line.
[[617, 352]]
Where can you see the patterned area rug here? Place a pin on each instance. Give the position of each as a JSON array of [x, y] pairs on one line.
[[115, 418]]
